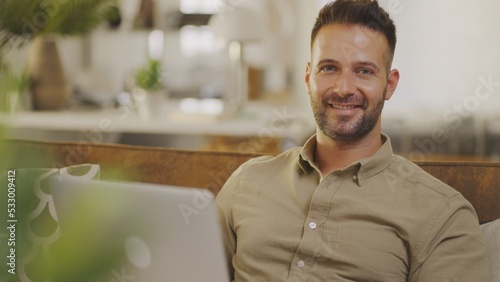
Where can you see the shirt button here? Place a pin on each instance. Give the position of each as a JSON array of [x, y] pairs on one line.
[[355, 177], [312, 225], [300, 263]]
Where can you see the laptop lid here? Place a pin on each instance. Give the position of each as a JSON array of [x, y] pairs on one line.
[[129, 231]]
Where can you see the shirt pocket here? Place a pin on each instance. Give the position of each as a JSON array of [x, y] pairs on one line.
[[373, 253]]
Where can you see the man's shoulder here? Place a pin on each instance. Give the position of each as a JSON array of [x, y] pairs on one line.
[[276, 161], [413, 176]]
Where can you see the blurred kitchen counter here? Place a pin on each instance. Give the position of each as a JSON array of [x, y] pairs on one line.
[[259, 126]]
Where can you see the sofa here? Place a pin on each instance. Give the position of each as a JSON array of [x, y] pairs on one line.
[[478, 181]]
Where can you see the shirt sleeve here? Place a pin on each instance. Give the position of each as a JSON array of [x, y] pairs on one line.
[[224, 202], [454, 249]]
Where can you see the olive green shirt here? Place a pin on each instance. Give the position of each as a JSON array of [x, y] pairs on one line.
[[379, 219]]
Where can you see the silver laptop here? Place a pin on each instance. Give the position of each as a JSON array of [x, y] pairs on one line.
[[128, 231]]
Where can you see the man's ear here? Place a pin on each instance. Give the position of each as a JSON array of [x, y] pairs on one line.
[[392, 83], [307, 76]]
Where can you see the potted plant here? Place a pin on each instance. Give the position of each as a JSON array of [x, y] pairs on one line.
[[149, 92], [149, 77], [40, 22]]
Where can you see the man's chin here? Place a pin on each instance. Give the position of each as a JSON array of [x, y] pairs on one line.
[[343, 135], [347, 132]]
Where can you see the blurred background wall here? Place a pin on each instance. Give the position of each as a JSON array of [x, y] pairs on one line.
[[447, 54]]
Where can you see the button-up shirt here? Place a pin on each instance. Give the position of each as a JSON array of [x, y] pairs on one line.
[[380, 219]]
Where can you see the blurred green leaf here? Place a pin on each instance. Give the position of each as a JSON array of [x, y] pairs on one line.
[[22, 20], [72, 257], [149, 76]]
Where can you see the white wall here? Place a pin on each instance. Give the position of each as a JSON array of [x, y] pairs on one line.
[[443, 49]]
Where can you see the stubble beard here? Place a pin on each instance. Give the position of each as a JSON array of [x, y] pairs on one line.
[[346, 129]]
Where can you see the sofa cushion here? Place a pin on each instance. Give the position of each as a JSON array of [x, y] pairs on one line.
[[491, 232]]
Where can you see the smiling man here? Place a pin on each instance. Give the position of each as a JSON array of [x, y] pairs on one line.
[[348, 80], [343, 207]]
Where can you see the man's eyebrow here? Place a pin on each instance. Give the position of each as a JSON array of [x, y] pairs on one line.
[[327, 61], [357, 64], [367, 64]]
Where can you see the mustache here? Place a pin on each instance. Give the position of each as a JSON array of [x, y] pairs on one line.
[[334, 98]]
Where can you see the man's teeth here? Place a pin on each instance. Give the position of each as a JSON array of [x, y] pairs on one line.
[[343, 107]]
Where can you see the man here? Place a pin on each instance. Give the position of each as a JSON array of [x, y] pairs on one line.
[[343, 207]]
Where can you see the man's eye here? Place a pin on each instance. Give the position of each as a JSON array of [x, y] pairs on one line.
[[365, 71], [328, 68]]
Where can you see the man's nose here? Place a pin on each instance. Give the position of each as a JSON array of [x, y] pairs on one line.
[[344, 84]]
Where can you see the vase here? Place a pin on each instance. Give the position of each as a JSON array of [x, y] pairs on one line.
[[48, 84], [149, 104]]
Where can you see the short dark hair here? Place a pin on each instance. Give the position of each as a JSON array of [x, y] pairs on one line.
[[358, 12]]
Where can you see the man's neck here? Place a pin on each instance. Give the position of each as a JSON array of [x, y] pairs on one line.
[[332, 155]]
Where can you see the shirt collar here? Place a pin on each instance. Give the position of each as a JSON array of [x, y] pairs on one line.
[[364, 168], [306, 157]]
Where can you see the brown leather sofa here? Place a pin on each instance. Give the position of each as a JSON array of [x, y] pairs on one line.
[[479, 182]]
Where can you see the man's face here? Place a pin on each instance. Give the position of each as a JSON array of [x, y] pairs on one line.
[[348, 81]]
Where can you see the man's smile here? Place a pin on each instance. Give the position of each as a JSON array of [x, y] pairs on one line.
[[344, 107]]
